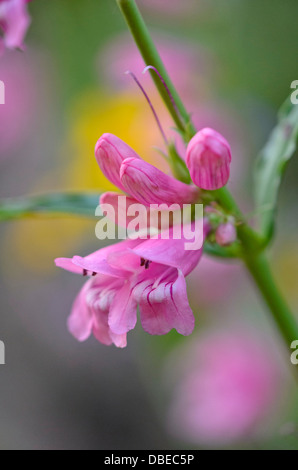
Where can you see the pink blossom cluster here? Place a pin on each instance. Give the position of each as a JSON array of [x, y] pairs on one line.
[[149, 274]]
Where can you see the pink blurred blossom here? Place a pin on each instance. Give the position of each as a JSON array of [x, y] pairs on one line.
[[14, 22], [21, 75], [228, 382], [189, 67]]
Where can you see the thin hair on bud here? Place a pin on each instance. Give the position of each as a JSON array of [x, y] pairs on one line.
[[128, 72], [151, 67]]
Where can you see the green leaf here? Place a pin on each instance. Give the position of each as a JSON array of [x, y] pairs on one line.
[[271, 165], [82, 204], [178, 165]]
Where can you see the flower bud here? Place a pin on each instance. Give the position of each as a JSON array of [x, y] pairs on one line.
[[110, 151], [208, 157], [149, 185], [226, 234]]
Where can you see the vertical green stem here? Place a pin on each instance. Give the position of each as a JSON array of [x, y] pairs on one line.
[[261, 273], [151, 56]]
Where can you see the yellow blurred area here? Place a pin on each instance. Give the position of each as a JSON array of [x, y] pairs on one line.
[[286, 271], [36, 242], [126, 115]]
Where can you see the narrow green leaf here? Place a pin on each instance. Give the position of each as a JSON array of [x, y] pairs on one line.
[[271, 164], [178, 165], [82, 204]]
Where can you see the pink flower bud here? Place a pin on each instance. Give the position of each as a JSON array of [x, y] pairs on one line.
[[149, 185], [226, 234], [208, 157], [110, 151]]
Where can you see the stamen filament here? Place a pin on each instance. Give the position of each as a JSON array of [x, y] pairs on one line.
[[150, 104]]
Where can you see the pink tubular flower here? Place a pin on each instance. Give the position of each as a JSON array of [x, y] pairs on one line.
[[110, 152], [228, 382], [145, 183], [208, 157], [14, 22], [149, 185], [148, 273], [226, 234]]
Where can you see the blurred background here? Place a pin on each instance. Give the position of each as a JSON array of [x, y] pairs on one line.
[[228, 385]]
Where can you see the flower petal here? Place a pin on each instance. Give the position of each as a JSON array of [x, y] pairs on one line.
[[105, 261], [123, 311], [110, 152], [166, 307], [67, 263], [170, 252], [102, 332], [80, 320], [149, 185]]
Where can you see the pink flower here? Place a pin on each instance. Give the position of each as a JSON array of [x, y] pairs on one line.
[[14, 22], [25, 78], [148, 273], [226, 234], [208, 157], [151, 186], [110, 152], [145, 183], [228, 382]]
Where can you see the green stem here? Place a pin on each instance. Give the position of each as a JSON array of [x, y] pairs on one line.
[[151, 56], [251, 240], [259, 268], [252, 243]]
